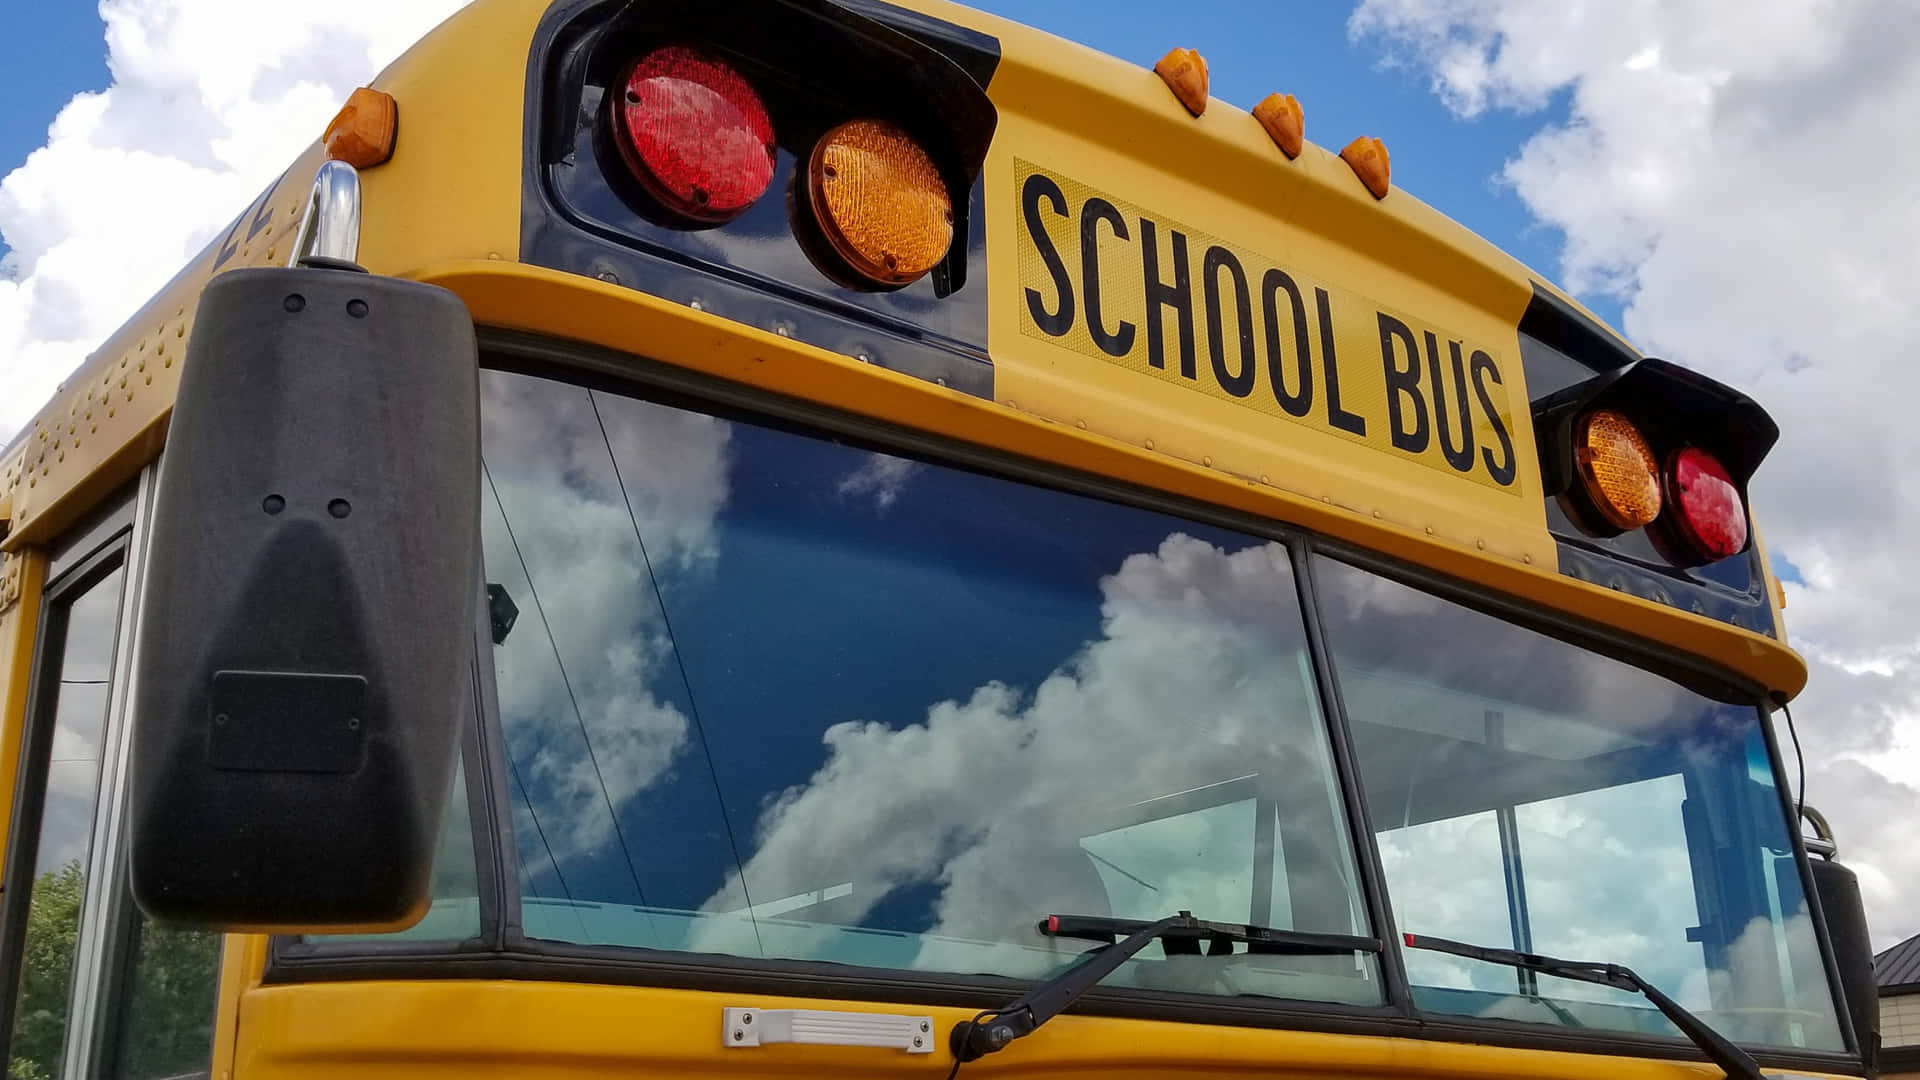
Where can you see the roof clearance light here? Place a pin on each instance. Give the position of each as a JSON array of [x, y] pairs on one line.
[[361, 133], [1708, 513], [1285, 122], [695, 134], [1185, 73], [1367, 157], [880, 202], [1618, 470]]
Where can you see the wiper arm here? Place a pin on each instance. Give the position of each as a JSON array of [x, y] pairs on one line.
[[994, 1029], [1734, 1061]]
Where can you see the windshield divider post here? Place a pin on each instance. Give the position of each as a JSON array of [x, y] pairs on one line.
[[1366, 851], [1803, 863]]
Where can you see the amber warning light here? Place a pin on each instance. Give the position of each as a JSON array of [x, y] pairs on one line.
[[1618, 471], [880, 202]]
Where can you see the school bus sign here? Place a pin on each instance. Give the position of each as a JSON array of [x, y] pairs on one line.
[[1115, 282]]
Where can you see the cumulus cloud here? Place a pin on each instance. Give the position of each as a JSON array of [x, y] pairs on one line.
[[1727, 172], [1197, 682], [574, 482], [209, 100], [881, 478]]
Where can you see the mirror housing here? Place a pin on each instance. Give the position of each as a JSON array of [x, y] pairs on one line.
[[306, 632], [1838, 891]]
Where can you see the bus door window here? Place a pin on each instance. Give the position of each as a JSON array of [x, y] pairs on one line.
[[54, 816]]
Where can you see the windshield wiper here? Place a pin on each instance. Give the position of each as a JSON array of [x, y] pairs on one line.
[[1718, 1048], [1180, 934]]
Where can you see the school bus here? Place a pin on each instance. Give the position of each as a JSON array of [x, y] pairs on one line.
[[842, 538]]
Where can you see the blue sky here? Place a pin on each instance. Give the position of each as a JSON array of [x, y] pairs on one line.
[[50, 52]]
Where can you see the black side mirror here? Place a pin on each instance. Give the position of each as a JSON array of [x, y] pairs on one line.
[[308, 620], [1838, 891]]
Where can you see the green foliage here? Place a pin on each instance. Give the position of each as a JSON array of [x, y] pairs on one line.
[[167, 1020], [46, 969]]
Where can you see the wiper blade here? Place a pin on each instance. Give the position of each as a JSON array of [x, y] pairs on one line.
[[993, 1030], [1734, 1061]]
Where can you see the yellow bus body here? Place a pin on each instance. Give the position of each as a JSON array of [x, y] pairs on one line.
[[446, 210]]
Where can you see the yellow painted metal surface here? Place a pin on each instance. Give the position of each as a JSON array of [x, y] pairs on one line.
[[21, 576], [535, 1030]]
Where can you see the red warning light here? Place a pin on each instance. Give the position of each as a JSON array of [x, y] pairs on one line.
[[695, 134], [1707, 512]]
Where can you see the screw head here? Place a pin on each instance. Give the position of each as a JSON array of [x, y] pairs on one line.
[[738, 1034], [746, 1018]]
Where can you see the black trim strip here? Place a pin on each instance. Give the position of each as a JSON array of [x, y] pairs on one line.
[[1366, 848]]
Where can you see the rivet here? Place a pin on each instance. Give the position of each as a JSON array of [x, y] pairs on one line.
[[1376, 515], [696, 305], [493, 255], [1207, 461], [783, 331], [1481, 544], [1528, 559], [863, 358], [1264, 480], [1081, 424], [1149, 444], [1328, 499], [1429, 530], [940, 380]]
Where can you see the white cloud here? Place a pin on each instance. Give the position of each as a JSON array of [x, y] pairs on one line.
[[589, 711], [881, 477], [1736, 173], [210, 99]]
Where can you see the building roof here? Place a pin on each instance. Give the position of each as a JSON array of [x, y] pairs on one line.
[[1898, 966]]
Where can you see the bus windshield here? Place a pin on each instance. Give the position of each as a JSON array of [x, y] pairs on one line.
[[1532, 795], [780, 696]]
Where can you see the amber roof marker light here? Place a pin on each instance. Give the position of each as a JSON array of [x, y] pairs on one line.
[[1285, 121], [1367, 157], [363, 132], [880, 202], [1185, 73]]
